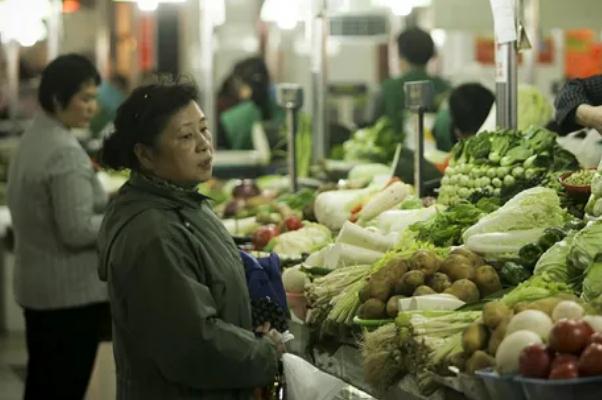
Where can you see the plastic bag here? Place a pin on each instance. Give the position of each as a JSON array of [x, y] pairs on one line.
[[306, 382]]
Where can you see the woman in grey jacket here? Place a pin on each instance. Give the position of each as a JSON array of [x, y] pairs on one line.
[[181, 308], [56, 202]]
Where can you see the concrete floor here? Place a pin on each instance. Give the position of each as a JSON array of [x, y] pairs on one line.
[[13, 361]]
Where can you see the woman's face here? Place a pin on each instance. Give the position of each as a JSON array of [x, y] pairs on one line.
[[184, 151], [81, 107]]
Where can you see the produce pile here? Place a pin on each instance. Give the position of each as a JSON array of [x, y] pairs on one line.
[[462, 275], [500, 271], [501, 164]]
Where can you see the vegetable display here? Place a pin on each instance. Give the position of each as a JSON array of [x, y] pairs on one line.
[[376, 143], [501, 164]]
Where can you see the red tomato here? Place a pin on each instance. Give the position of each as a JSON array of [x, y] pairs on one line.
[[562, 358], [292, 223], [568, 370], [263, 235], [596, 338], [570, 336], [534, 361], [590, 362]]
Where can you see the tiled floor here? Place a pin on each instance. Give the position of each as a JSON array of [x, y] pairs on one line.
[[13, 358]]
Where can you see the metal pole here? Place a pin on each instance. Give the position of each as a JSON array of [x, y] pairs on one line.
[[319, 79], [12, 69], [290, 97], [531, 11], [54, 29], [291, 121], [419, 155], [506, 85], [207, 59]]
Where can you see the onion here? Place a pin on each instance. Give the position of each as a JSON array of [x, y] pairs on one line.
[[531, 320], [567, 309]]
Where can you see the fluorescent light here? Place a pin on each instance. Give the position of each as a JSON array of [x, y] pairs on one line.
[[285, 13]]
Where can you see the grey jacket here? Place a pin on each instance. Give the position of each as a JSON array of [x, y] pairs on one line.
[[55, 201], [180, 304]]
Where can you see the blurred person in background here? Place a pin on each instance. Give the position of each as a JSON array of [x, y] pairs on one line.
[[56, 201], [180, 304], [467, 109], [249, 92], [111, 94], [416, 48]]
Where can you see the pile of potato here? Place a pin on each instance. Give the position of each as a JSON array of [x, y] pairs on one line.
[[462, 274]]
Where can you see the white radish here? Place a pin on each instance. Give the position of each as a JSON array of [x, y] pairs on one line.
[[384, 200], [356, 235]]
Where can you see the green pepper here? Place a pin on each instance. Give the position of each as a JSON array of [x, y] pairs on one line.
[[529, 254], [550, 237], [512, 273]]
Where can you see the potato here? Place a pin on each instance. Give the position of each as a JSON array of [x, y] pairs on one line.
[[475, 337], [409, 282], [425, 261], [393, 306], [474, 258], [364, 293], [487, 280], [479, 360], [495, 312], [439, 282], [461, 270], [451, 261], [464, 290], [379, 289], [372, 309], [423, 290], [497, 336]]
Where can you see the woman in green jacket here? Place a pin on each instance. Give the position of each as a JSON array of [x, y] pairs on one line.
[[181, 309]]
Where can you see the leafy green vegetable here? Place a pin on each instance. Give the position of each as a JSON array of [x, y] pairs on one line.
[[533, 208], [592, 285], [445, 229], [375, 144], [554, 261], [537, 287], [586, 246], [298, 200]]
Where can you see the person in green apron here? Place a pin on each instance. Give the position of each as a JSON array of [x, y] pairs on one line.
[[256, 104], [416, 48]]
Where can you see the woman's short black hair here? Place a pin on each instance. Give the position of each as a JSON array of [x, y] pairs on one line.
[[469, 106], [141, 119], [63, 78], [416, 46]]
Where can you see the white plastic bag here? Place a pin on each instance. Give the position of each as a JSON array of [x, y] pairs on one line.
[[587, 150], [306, 382]]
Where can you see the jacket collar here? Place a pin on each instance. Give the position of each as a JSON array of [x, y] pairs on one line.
[[188, 196]]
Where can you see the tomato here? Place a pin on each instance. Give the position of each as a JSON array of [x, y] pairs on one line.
[[534, 361], [292, 223], [590, 362], [570, 336], [596, 338], [568, 370], [263, 235], [563, 358]]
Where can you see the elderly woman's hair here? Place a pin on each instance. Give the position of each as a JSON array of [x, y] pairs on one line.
[[63, 78], [141, 119]]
